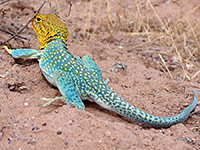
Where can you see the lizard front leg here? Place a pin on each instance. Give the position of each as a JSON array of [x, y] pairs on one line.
[[67, 89], [23, 53]]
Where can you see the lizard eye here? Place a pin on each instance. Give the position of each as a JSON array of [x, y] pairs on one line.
[[38, 19]]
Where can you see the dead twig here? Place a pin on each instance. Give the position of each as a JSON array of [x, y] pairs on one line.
[[70, 3], [25, 25], [70, 8], [171, 77], [11, 33], [4, 2]]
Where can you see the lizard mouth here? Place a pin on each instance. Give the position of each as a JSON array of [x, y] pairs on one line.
[[34, 26]]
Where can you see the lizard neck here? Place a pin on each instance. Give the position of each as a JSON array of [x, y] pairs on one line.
[[56, 37], [57, 43]]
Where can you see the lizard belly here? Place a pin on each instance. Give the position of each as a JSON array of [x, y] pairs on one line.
[[47, 72], [49, 79]]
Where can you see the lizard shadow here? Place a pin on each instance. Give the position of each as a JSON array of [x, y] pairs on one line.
[[25, 62], [103, 113], [92, 107]]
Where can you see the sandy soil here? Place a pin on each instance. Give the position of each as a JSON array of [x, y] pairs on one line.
[[24, 124]]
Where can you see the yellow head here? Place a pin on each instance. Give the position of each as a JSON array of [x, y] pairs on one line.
[[46, 26]]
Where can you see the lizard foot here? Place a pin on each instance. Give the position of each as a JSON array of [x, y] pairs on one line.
[[23, 53], [77, 104], [51, 100]]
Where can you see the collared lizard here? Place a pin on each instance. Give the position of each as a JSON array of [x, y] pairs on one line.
[[80, 79]]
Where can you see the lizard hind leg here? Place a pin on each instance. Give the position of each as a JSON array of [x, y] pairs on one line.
[[67, 89], [93, 67]]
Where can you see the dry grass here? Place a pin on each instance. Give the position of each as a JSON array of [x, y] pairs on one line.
[[177, 39]]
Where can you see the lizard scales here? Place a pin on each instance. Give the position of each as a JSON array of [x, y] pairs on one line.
[[79, 79]]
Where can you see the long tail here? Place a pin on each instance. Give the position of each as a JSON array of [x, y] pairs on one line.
[[110, 100]]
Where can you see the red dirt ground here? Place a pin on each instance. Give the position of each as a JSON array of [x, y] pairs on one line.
[[25, 125]]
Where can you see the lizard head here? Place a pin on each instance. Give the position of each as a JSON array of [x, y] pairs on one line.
[[48, 27]]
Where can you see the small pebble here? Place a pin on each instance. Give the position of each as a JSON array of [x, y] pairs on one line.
[[11, 87], [59, 132], [33, 140], [25, 104], [66, 143], [118, 67], [44, 124], [71, 121], [148, 77], [75, 36], [185, 104], [23, 88], [108, 134], [120, 47], [188, 140], [9, 140]]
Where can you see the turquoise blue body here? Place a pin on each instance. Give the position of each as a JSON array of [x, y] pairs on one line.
[[79, 79]]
